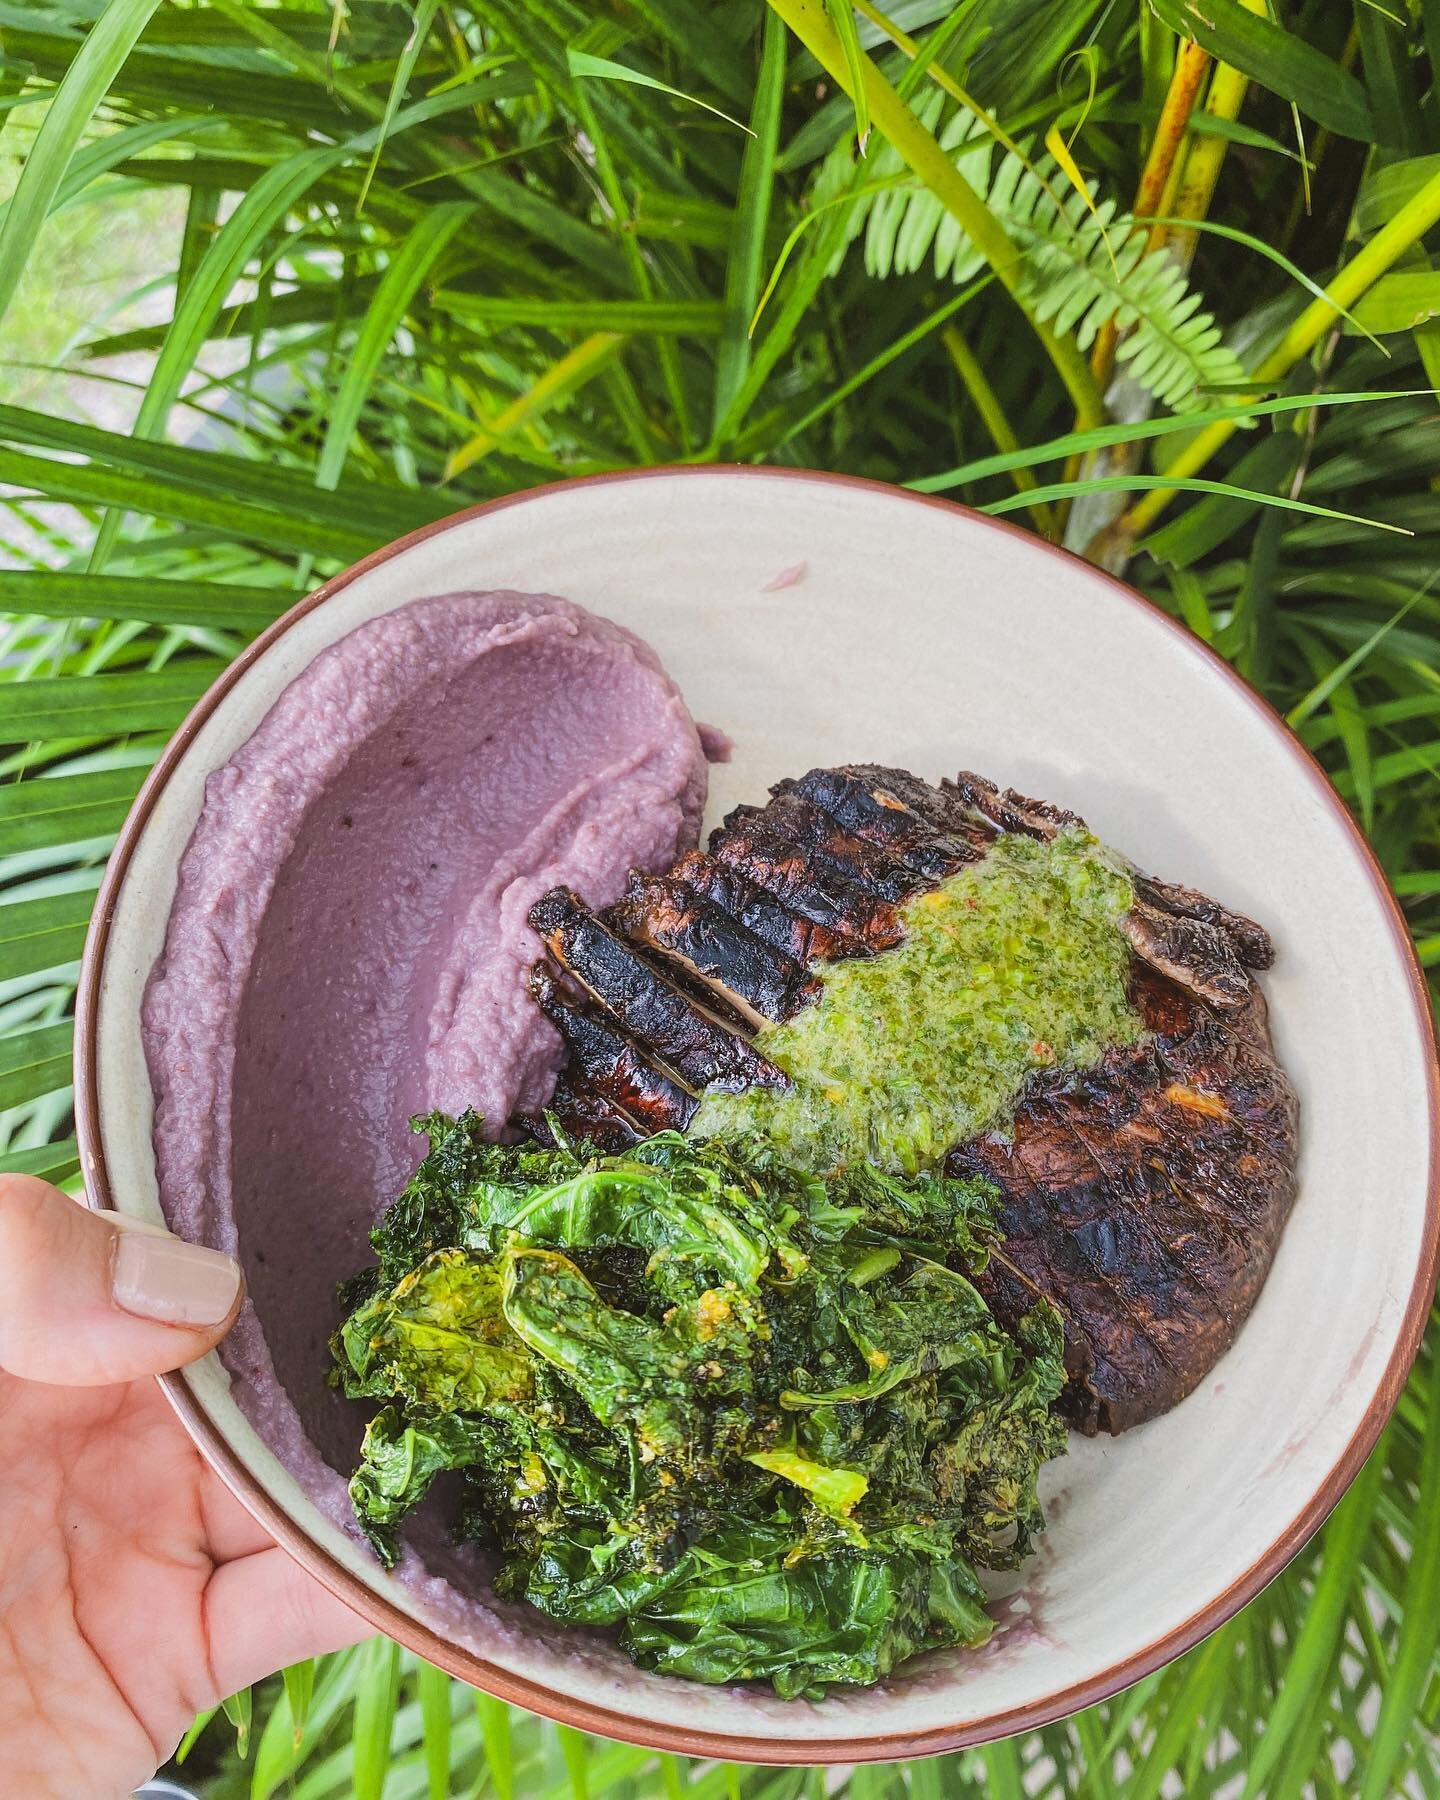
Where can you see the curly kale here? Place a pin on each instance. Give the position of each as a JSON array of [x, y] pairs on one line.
[[760, 1422]]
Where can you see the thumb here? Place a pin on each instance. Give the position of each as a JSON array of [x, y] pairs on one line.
[[90, 1298]]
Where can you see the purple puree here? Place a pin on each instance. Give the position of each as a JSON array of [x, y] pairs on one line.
[[348, 945]]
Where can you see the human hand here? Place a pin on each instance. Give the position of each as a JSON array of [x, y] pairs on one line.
[[134, 1589]]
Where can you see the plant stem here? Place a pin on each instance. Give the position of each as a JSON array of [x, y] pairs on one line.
[[558, 382], [1204, 157], [1187, 193], [1407, 227], [977, 385], [918, 149], [1190, 65]]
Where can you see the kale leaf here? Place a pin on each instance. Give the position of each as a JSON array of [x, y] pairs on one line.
[[760, 1423]]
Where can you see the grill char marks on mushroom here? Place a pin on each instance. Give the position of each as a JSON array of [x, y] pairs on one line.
[[716, 952], [1145, 1196], [604, 1062]]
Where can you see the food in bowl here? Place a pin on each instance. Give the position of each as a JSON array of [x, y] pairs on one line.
[[1120, 1029], [347, 945], [907, 974], [759, 1422]]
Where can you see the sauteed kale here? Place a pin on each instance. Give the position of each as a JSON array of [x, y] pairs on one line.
[[759, 1421]]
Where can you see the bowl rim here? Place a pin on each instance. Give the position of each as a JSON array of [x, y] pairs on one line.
[[592, 1716]]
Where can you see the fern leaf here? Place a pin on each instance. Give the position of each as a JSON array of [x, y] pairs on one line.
[[1084, 262]]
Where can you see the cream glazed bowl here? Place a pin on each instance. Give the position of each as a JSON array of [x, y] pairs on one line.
[[823, 619]]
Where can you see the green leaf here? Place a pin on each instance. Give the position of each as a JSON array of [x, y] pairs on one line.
[[1388, 187], [1384, 56], [1065, 490], [1078, 264], [682, 318], [91, 484], [407, 269], [239, 1710], [745, 258], [572, 1748], [86, 81], [1266, 467], [55, 1162], [1277, 59], [433, 1688], [68, 809], [439, 1338], [1415, 1656], [44, 933], [1101, 437], [358, 505], [1399, 302], [425, 11], [836, 1491], [299, 1681], [261, 210], [376, 1694], [494, 1718], [34, 1062], [1314, 1649], [99, 706], [62, 595], [600, 68], [842, 17], [187, 1743], [113, 149]]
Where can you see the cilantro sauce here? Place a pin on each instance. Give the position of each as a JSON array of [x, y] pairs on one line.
[[1016, 963]]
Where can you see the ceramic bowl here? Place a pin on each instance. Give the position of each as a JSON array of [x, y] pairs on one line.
[[821, 619]]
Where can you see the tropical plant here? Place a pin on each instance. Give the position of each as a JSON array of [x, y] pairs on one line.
[[385, 260], [1082, 264]]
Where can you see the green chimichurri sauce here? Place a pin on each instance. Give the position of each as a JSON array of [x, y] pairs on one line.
[[1014, 964]]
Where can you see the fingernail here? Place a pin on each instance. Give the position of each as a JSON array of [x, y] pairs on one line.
[[177, 1283]]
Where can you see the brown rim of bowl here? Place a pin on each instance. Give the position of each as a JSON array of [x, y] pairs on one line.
[[584, 1714]]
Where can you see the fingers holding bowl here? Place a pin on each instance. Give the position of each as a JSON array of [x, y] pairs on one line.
[[90, 1298]]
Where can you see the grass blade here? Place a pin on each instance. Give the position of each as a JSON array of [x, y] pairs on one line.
[[57, 1163], [374, 1724], [44, 933], [425, 11], [92, 485], [68, 809], [572, 1748], [34, 1062], [842, 17], [299, 1692], [433, 1687], [559, 381], [600, 68], [237, 241], [188, 1742], [1103, 437], [409, 266], [87, 81], [1297, 1710], [98, 705], [239, 1710], [60, 594], [1188, 484], [1415, 1656], [745, 260], [494, 1718]]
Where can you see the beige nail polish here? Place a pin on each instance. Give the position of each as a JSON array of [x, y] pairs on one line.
[[160, 1277]]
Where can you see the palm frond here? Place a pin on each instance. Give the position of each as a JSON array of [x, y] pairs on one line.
[[1085, 265]]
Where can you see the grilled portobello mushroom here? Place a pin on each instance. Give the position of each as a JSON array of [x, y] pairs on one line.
[[1144, 1194]]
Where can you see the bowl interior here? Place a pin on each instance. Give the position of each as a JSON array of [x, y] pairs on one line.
[[913, 633]]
